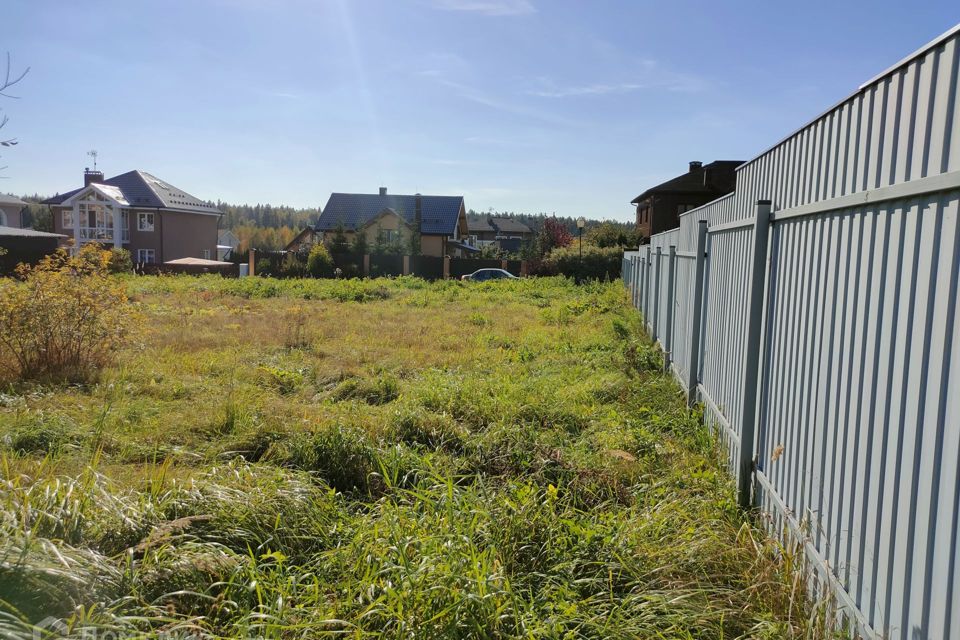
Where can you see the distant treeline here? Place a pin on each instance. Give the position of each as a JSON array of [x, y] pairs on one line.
[[264, 226], [265, 215], [535, 220]]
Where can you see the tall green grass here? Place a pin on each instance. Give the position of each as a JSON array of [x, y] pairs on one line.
[[404, 471]]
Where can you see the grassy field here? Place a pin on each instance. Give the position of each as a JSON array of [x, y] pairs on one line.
[[385, 458]]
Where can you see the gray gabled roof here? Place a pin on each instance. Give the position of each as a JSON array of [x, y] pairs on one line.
[[228, 238], [11, 200], [477, 224], [509, 225], [27, 233], [353, 210], [142, 189]]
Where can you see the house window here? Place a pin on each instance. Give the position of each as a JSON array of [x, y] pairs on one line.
[[144, 222], [147, 256], [66, 219], [206, 254], [388, 235], [683, 208]]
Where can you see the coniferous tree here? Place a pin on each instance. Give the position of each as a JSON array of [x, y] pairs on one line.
[[339, 243], [359, 246]]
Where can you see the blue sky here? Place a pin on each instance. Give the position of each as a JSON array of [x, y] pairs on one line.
[[562, 106]]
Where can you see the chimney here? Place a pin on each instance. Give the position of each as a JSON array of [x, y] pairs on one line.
[[383, 191], [91, 176], [695, 165]]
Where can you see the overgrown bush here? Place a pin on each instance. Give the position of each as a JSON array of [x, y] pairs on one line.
[[294, 265], [319, 262], [596, 263], [64, 319], [120, 261]]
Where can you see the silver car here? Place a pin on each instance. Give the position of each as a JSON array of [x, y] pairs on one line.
[[482, 275]]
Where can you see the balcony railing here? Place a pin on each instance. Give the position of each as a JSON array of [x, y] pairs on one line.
[[102, 234]]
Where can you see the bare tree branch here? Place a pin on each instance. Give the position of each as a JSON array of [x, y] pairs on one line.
[[10, 79]]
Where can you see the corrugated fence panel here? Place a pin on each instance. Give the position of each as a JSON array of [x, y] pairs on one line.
[[858, 416], [686, 263], [860, 325], [862, 338], [659, 311], [725, 328]]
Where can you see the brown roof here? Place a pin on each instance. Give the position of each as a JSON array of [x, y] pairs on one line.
[[510, 225], [717, 173], [479, 223]]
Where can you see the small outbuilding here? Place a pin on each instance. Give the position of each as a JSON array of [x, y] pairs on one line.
[[25, 245]]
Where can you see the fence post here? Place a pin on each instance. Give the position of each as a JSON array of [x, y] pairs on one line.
[[251, 257], [751, 373], [658, 271], [366, 264], [697, 314], [637, 283], [671, 304], [406, 265], [638, 279], [647, 270]]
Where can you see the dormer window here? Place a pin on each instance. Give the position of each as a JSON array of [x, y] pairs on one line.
[[144, 222]]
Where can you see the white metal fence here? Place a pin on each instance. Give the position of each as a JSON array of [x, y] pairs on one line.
[[813, 312]]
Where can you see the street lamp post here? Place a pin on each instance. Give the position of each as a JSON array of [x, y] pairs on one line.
[[581, 223]]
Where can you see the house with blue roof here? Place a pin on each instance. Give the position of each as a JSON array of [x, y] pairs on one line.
[[440, 221], [154, 220]]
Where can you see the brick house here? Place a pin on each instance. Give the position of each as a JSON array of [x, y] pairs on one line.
[[659, 208], [137, 211]]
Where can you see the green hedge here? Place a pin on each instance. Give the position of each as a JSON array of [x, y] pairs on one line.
[[596, 264]]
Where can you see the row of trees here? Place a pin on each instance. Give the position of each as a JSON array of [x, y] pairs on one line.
[[239, 216], [536, 220]]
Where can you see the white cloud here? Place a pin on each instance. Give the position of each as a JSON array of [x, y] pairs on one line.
[[644, 74], [477, 96], [587, 90], [487, 140], [487, 7]]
